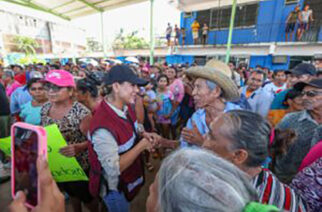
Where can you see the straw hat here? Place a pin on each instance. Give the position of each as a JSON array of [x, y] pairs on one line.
[[219, 73]]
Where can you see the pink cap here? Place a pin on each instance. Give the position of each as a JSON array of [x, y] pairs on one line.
[[60, 78], [145, 69]]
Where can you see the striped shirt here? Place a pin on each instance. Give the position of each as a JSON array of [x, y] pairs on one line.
[[271, 191]]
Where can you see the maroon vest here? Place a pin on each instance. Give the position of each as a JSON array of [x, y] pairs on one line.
[[123, 130]]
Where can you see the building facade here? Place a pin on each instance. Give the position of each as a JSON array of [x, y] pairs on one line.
[[259, 35], [54, 39]]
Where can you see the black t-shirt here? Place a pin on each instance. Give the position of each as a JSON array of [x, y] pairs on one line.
[[4, 103]]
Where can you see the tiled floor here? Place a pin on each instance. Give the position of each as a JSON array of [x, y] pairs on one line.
[[138, 204]]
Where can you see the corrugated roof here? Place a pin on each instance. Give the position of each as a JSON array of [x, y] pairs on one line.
[[70, 9]]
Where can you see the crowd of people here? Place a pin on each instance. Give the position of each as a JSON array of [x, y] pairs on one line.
[[199, 34], [230, 137], [300, 20]]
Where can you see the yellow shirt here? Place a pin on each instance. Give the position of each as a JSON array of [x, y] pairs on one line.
[[195, 26]]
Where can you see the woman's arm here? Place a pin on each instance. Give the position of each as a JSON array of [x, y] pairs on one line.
[[129, 157], [85, 124]]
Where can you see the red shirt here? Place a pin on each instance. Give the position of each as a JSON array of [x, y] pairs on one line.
[[314, 154], [21, 78]]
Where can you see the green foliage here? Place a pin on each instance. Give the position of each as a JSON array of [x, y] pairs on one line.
[[93, 45], [29, 59], [129, 41], [26, 45]]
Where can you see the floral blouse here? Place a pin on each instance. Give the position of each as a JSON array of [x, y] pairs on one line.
[[69, 127]]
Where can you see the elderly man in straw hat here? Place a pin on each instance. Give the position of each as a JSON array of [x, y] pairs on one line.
[[213, 92]]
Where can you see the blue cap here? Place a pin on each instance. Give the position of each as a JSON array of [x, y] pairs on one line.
[[123, 73]]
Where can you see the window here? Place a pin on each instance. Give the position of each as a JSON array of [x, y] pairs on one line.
[[187, 14], [250, 15], [225, 15], [215, 16], [35, 23], [219, 18], [291, 1], [203, 16]]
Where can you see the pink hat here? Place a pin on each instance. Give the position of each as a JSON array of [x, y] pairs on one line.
[[145, 69], [60, 78]]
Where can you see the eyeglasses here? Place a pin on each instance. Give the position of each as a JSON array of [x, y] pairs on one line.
[[52, 87], [35, 89], [311, 93]]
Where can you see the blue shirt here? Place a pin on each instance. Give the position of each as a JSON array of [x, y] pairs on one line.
[[260, 101], [19, 97], [30, 114], [199, 118]]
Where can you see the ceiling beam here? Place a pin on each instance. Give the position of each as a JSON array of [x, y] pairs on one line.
[[91, 5], [37, 7], [62, 5], [75, 9], [100, 2], [122, 4]]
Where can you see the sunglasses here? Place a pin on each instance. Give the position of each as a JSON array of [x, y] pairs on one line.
[[52, 87], [311, 93], [37, 89]]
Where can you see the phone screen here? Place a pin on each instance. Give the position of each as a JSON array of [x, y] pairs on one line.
[[25, 158]]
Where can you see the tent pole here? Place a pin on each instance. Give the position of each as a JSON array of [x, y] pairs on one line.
[[102, 34], [151, 33], [231, 27]]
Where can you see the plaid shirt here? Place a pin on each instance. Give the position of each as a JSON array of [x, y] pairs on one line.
[[271, 191]]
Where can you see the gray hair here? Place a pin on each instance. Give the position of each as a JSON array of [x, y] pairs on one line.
[[9, 73], [211, 85], [249, 131], [197, 180]]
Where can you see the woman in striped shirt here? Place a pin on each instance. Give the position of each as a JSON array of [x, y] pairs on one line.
[[243, 137]]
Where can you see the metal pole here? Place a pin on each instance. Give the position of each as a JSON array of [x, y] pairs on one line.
[[102, 34], [151, 34], [231, 27]]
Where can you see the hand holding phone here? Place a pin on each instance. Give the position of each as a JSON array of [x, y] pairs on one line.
[[28, 142], [52, 200]]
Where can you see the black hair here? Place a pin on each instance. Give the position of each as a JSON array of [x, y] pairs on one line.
[[175, 68], [54, 66], [278, 71], [18, 66], [90, 83], [291, 94], [163, 76], [32, 81], [87, 85], [259, 72]]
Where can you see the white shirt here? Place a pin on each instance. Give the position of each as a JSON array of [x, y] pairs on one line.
[[272, 88], [169, 30], [306, 16]]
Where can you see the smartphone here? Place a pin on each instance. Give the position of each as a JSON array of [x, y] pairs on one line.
[[28, 142]]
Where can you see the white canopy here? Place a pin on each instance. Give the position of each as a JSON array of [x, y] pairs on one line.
[[70, 9]]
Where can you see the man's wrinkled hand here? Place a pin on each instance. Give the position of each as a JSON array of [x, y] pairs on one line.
[[193, 135]]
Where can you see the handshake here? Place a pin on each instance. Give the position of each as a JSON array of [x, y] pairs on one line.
[[151, 141]]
